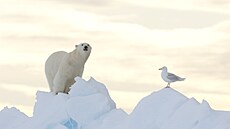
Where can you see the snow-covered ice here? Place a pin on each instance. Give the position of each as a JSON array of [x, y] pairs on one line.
[[89, 106], [11, 118]]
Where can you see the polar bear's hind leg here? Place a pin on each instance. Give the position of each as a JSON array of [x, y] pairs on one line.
[[59, 84], [52, 65]]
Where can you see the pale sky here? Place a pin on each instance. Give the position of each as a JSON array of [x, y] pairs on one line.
[[130, 41]]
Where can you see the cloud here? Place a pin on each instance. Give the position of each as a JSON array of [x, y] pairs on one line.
[[156, 16], [221, 6], [94, 3], [218, 3], [164, 18], [204, 61], [222, 27], [23, 75], [14, 97]]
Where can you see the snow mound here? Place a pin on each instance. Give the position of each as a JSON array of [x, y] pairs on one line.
[[11, 115], [169, 109], [89, 106]]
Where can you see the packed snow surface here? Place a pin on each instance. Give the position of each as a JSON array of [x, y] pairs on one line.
[[89, 106]]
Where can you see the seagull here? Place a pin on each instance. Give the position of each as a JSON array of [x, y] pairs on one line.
[[169, 77]]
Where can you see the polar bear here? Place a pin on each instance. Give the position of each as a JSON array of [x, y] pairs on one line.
[[61, 67]]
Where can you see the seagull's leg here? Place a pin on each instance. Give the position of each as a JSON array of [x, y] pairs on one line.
[[168, 86]]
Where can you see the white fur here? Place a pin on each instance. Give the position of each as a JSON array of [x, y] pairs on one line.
[[61, 67]]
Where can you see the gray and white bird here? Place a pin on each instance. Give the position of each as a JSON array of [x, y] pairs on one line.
[[169, 77]]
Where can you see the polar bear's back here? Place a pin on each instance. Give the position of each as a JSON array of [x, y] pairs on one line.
[[52, 65]]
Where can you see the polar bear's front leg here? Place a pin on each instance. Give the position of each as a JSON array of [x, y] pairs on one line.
[[59, 83]]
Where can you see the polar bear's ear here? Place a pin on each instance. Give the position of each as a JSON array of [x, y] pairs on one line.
[[76, 46]]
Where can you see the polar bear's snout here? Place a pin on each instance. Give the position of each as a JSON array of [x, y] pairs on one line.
[[85, 48]]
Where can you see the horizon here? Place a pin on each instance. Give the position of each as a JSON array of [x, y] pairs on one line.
[[130, 41]]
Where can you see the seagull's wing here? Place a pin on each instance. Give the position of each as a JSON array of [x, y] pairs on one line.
[[173, 77]]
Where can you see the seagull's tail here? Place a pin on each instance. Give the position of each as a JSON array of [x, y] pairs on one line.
[[182, 79]]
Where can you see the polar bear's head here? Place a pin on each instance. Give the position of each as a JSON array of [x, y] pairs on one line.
[[84, 49]]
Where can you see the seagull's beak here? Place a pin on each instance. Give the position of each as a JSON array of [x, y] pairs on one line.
[[160, 68]]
